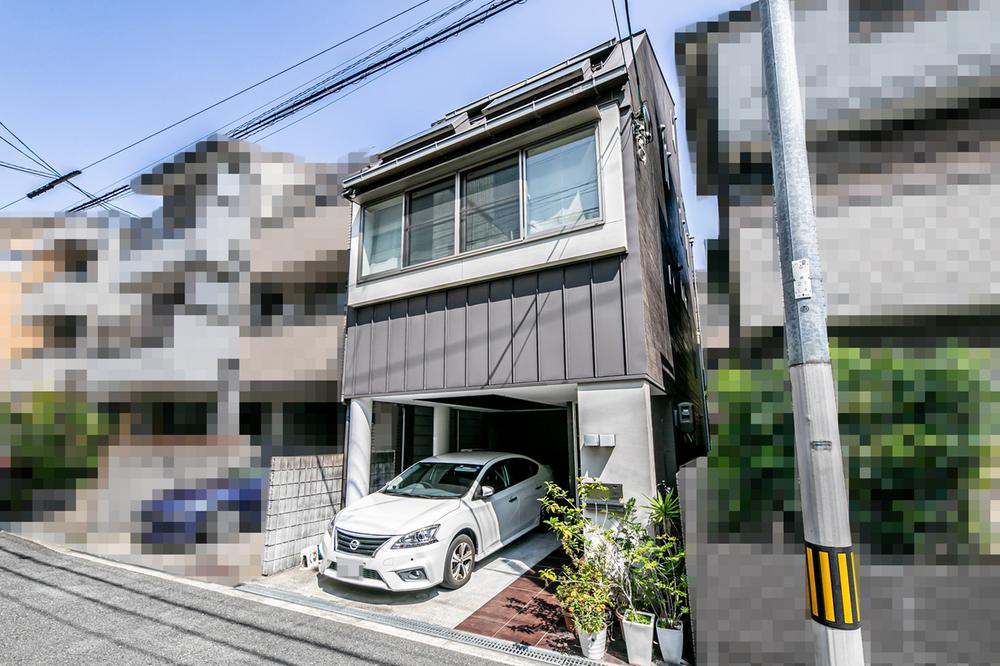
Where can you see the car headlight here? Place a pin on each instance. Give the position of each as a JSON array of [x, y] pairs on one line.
[[421, 537], [329, 528]]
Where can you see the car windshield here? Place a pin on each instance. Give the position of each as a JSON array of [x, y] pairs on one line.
[[434, 479]]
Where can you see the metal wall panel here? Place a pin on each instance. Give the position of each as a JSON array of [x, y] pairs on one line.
[[362, 360], [397, 346], [551, 357], [476, 335], [609, 341], [501, 367], [561, 324], [434, 346], [415, 343], [524, 328], [579, 318], [454, 337], [380, 348]]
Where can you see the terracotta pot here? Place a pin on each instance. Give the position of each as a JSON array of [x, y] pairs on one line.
[[570, 622]]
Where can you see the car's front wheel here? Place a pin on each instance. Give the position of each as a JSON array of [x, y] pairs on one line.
[[459, 562]]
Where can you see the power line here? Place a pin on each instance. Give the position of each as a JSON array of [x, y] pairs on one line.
[[120, 193], [331, 102], [399, 37], [17, 167], [255, 85], [465, 23], [344, 66], [39, 161], [23, 154]]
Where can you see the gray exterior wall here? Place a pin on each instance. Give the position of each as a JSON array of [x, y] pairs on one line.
[[563, 324]]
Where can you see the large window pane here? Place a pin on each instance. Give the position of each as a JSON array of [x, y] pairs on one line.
[[383, 230], [430, 224], [491, 206], [562, 183]]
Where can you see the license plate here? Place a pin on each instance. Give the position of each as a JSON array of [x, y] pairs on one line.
[[348, 570]]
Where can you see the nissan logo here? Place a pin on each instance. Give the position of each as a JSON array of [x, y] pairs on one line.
[[353, 545]]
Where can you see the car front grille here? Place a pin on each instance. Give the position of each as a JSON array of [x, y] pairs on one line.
[[366, 546]]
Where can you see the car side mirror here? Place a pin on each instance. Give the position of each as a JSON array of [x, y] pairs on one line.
[[485, 491]]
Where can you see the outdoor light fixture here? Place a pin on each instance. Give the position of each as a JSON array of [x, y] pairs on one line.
[[422, 537]]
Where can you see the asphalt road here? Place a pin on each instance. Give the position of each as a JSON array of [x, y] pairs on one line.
[[60, 609]]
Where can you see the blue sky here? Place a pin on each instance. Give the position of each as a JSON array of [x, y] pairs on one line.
[[81, 80]]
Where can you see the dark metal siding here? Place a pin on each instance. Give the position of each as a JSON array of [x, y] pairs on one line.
[[560, 324]]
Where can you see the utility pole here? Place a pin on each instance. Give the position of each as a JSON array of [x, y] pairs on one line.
[[831, 580]]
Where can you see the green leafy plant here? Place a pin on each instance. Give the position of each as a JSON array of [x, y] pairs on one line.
[[48, 441], [637, 617], [627, 563], [918, 428], [586, 587]]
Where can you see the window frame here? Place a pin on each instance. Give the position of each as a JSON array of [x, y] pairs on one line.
[[364, 232], [457, 176], [524, 183], [460, 181], [405, 243]]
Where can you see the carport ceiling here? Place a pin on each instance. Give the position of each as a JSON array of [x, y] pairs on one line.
[[493, 403]]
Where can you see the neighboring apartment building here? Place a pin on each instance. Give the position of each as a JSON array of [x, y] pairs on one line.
[[208, 337], [520, 280], [902, 124]]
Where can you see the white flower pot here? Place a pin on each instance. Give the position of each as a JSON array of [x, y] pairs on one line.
[[671, 644], [593, 645], [639, 639]]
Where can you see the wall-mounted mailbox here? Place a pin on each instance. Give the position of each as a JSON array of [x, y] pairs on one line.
[[603, 439], [612, 492]]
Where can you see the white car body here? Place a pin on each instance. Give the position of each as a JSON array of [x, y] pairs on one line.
[[360, 546]]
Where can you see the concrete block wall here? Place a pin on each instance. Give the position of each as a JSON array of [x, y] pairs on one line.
[[303, 496]]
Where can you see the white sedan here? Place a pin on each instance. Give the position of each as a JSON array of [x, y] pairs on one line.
[[432, 523]]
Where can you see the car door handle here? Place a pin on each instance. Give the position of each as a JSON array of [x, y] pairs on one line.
[[512, 499], [538, 487]]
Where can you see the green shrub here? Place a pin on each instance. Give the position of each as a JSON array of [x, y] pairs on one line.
[[915, 425]]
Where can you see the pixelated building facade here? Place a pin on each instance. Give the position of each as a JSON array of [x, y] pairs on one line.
[[902, 122], [200, 343]]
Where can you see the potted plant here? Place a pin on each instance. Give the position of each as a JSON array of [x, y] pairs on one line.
[[638, 574], [637, 628], [585, 585], [669, 584], [585, 593]]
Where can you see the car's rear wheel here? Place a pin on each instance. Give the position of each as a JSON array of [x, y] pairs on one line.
[[459, 562]]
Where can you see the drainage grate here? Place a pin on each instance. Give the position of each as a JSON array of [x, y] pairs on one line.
[[418, 626]]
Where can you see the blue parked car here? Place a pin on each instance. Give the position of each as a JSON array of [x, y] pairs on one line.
[[183, 518]]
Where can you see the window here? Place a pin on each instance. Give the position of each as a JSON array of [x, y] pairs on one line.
[[430, 223], [382, 236], [521, 469], [548, 188], [497, 477], [491, 205], [561, 183], [182, 418], [63, 332]]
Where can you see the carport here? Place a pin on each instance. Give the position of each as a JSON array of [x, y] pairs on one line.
[[504, 600]]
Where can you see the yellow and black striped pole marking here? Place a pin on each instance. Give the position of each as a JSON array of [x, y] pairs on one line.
[[832, 582]]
